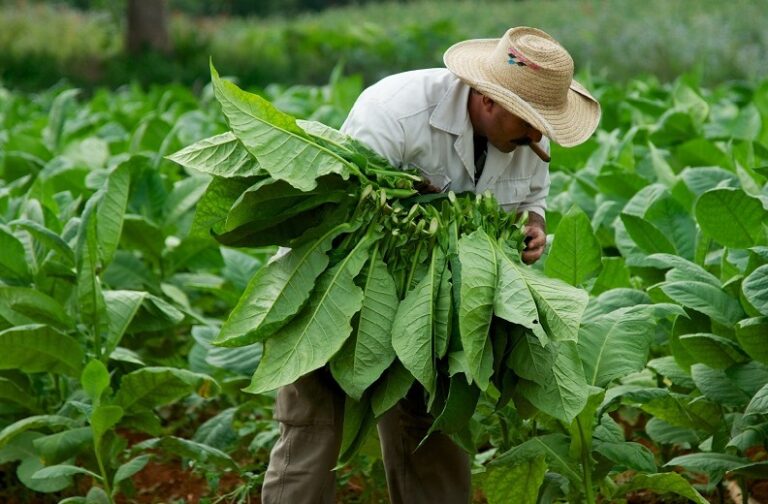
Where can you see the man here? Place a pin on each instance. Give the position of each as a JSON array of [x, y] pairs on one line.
[[474, 126]]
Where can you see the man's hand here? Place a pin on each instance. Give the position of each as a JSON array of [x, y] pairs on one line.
[[425, 187], [535, 238]]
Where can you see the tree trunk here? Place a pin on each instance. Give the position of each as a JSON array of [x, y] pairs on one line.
[[148, 26]]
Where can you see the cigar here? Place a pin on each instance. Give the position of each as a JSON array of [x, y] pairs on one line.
[[539, 152]]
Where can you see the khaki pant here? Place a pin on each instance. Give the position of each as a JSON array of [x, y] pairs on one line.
[[311, 412]]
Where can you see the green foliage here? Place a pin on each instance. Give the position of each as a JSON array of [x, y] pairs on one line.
[[113, 290], [41, 43]]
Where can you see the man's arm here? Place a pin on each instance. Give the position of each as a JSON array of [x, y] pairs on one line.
[[371, 124]]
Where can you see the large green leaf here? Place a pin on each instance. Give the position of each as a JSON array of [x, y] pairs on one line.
[[95, 379], [682, 411], [575, 253], [758, 405], [560, 305], [554, 448], [682, 269], [614, 274], [647, 236], [730, 217], [36, 422], [111, 211], [553, 377], [130, 468], [716, 385], [751, 335], [675, 223], [102, 419], [519, 483], [662, 483], [37, 348], [615, 344], [311, 338], [714, 351], [53, 133], [48, 238], [631, 455], [10, 391], [392, 387], [154, 386], [22, 306], [221, 155], [412, 329], [122, 306], [755, 288], [705, 298], [714, 465], [459, 406], [280, 146], [479, 273], [277, 292], [182, 199], [90, 299], [213, 207], [514, 302], [358, 421], [661, 432], [63, 470], [56, 448], [269, 202], [13, 263], [368, 352]]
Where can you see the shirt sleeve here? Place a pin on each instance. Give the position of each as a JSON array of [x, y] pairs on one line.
[[536, 201], [371, 123]]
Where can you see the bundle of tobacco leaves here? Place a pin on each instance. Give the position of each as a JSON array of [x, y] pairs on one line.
[[384, 285]]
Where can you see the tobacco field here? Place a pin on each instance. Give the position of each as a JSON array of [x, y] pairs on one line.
[[630, 364]]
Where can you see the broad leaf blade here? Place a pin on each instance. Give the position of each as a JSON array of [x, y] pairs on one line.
[[221, 155], [755, 288], [479, 272], [554, 379], [575, 253], [412, 330], [37, 348], [513, 301], [647, 236], [519, 483], [154, 386], [277, 292], [280, 146], [369, 352], [669, 482], [560, 305], [731, 217], [615, 344], [111, 211], [319, 330], [706, 299]]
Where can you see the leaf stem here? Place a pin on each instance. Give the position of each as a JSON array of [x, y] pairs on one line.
[[412, 271], [103, 472], [395, 173], [585, 465]]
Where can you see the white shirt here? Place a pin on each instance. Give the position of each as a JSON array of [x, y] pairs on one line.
[[420, 119]]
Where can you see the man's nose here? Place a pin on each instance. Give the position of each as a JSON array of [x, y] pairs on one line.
[[534, 134]]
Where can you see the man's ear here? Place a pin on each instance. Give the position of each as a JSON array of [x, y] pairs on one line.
[[488, 103]]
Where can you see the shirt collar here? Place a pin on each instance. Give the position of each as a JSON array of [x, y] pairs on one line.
[[451, 113]]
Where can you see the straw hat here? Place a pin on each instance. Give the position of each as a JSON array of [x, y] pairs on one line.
[[531, 75]]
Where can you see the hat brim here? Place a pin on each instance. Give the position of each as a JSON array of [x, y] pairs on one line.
[[567, 125]]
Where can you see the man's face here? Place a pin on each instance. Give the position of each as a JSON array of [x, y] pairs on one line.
[[506, 131]]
